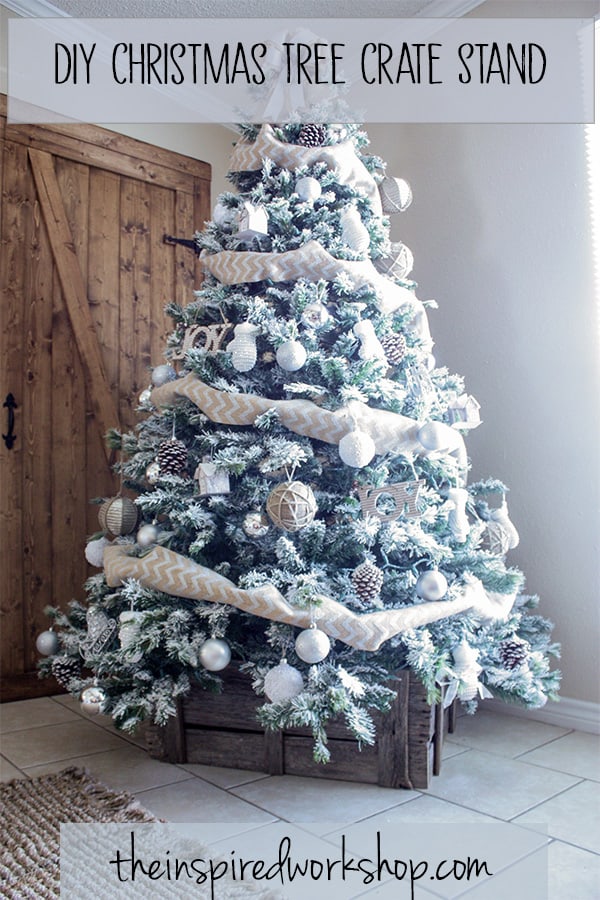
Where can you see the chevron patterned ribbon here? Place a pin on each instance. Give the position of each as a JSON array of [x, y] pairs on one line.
[[163, 570], [341, 158], [309, 261]]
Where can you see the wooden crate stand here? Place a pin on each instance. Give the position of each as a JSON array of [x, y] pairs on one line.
[[222, 730]]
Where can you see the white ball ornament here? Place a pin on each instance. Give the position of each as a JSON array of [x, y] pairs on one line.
[[282, 683], [431, 585], [162, 374], [312, 645], [91, 699], [147, 535], [214, 654], [308, 189], [47, 643], [94, 552], [356, 449], [291, 356], [433, 435]]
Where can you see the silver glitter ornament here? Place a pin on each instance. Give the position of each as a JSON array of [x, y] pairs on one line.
[[291, 356], [282, 683], [431, 585], [162, 374], [214, 654], [47, 643], [312, 645], [356, 449]]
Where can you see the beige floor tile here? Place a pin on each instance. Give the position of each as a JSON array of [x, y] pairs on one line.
[[573, 816], [195, 800], [576, 753], [125, 769], [106, 722], [8, 771], [506, 735], [320, 799], [222, 777], [451, 749], [27, 713], [37, 746], [573, 873], [496, 785], [525, 880]]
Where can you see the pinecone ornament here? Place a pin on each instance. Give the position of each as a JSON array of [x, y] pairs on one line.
[[394, 347], [172, 457], [513, 652], [367, 580], [312, 135], [65, 669]]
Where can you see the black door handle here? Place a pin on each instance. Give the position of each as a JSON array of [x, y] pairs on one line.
[[10, 437]]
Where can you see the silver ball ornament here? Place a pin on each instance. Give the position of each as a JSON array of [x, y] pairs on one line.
[[356, 449], [153, 473], [291, 356], [162, 374], [282, 683], [47, 643], [147, 535], [431, 585], [433, 435], [94, 552], [312, 645], [308, 189], [91, 699], [214, 654]]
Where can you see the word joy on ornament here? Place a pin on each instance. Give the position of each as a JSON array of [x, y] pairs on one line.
[[209, 337], [404, 496]]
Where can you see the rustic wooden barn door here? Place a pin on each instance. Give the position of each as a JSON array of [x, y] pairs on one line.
[[85, 275]]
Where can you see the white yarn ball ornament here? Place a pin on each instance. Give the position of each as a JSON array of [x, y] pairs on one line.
[[282, 683], [94, 552], [312, 645], [308, 189], [162, 374], [291, 356], [47, 643], [356, 449], [431, 585], [214, 654]]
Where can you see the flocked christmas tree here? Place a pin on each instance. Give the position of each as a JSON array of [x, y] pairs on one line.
[[300, 477]]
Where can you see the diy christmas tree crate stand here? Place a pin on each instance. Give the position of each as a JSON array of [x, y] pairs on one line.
[[221, 730]]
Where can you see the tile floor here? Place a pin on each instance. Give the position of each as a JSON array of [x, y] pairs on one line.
[[542, 780]]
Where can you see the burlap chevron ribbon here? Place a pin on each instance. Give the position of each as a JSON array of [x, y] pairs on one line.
[[166, 571], [309, 261], [341, 158]]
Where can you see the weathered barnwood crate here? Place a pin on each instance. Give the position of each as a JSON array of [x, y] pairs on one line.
[[221, 730]]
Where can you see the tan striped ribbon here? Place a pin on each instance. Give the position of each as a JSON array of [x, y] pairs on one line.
[[163, 570]]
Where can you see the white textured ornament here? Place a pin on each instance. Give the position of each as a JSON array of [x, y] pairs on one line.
[[91, 700], [370, 347], [94, 552], [255, 525], [162, 374], [312, 645], [282, 683], [129, 632], [396, 194], [214, 654], [356, 449], [147, 535], [500, 517], [354, 232], [291, 356], [243, 347], [153, 473], [101, 631], [47, 643], [431, 585], [315, 315], [457, 518], [308, 189]]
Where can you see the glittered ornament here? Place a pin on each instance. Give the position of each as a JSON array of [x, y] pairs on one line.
[[513, 652], [396, 194], [214, 654], [94, 552], [91, 699], [291, 505], [243, 346], [147, 535], [291, 356], [356, 449], [354, 232], [172, 457], [312, 135], [431, 585], [397, 263], [282, 683], [308, 189], [312, 645], [47, 643], [367, 579], [394, 347], [162, 374], [255, 525], [119, 515], [66, 669], [129, 632], [314, 315], [101, 631], [152, 473]]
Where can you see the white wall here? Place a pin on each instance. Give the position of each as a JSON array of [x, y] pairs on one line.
[[500, 232]]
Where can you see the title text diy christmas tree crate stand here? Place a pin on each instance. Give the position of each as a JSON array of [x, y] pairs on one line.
[[221, 730]]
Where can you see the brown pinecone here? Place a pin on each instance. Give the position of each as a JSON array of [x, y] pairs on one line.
[[312, 135], [172, 457], [65, 669], [513, 652], [367, 580], [394, 347]]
